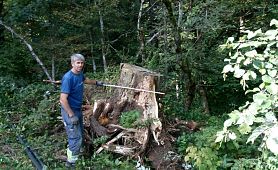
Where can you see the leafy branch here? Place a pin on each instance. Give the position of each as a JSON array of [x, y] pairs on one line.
[[255, 57]]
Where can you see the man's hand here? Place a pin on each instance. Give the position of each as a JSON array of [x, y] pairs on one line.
[[99, 83], [74, 120]]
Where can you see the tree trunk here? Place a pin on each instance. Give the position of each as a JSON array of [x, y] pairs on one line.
[[141, 36], [190, 94], [203, 94], [104, 118], [92, 53], [185, 72], [1, 18], [103, 46]]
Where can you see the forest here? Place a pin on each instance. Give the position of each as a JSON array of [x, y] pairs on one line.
[[212, 63]]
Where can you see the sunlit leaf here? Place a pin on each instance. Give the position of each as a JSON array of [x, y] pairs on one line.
[[268, 65], [228, 68], [259, 98], [247, 61], [232, 135], [230, 40], [262, 71], [274, 22], [270, 117], [256, 133], [238, 72], [267, 79], [228, 122], [272, 73], [272, 88], [271, 34], [252, 53], [272, 140], [244, 128], [239, 59]]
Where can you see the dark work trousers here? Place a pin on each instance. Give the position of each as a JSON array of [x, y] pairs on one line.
[[74, 132]]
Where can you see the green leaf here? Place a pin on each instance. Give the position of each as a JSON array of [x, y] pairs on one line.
[[272, 140], [251, 54], [259, 98], [274, 60], [262, 85], [262, 71], [253, 34], [227, 60], [274, 22], [272, 73], [232, 136], [238, 72], [246, 76], [234, 115], [239, 59], [272, 88], [228, 68], [257, 64], [256, 133], [230, 40], [267, 79], [268, 65], [266, 104], [247, 61], [244, 128], [256, 89], [271, 34], [259, 120], [253, 75], [228, 123], [270, 118]]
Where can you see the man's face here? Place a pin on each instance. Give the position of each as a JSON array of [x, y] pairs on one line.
[[77, 66]]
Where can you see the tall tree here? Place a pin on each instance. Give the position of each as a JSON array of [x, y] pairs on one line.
[[1, 18]]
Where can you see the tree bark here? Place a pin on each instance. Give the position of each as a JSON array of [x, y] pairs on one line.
[[104, 118], [203, 94], [103, 46], [92, 53], [2, 29], [141, 36]]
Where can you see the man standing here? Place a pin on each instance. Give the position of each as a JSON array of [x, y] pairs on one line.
[[71, 98]]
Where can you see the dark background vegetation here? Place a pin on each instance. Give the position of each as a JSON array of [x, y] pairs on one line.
[[184, 48]]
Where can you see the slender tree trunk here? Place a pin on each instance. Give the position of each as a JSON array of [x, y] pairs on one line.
[[53, 68], [103, 48], [141, 36], [241, 25], [165, 32], [203, 94], [92, 53], [185, 72], [190, 88], [1, 18], [180, 13], [93, 61]]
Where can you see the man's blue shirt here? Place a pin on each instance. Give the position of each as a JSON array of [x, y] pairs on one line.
[[72, 84]]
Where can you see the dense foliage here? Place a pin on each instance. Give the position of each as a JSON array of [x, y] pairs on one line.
[[179, 39]]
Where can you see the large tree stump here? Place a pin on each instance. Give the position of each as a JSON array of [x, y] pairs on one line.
[[104, 117]]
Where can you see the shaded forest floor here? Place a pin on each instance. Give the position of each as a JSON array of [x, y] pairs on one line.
[[36, 116]]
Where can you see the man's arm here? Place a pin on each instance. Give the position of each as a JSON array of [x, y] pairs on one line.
[[89, 81], [64, 102]]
